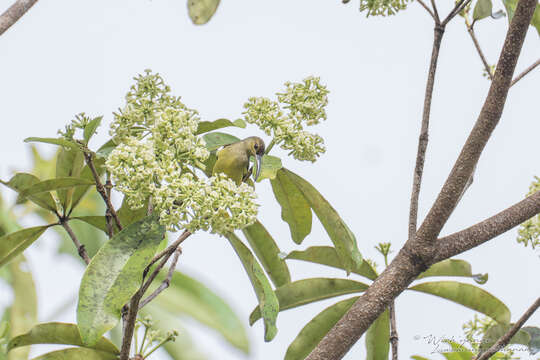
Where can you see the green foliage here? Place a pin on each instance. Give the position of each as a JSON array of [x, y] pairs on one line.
[[15, 243], [114, 276], [268, 302], [58, 333], [453, 267], [267, 251], [77, 354], [340, 234], [510, 6], [22, 181], [377, 338], [482, 9], [201, 11], [314, 331], [529, 231], [269, 167], [295, 209], [306, 291], [207, 126], [469, 296]]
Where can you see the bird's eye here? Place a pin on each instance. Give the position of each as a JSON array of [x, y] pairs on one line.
[[256, 146]]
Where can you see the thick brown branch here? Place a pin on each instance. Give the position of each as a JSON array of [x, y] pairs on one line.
[[424, 131], [101, 189], [525, 72], [488, 229], [80, 247], [503, 340], [14, 13], [418, 254], [489, 117]]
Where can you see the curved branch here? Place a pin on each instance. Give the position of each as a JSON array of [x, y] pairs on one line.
[[503, 340], [488, 229], [14, 13]]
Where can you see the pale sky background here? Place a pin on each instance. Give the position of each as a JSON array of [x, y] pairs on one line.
[[68, 56]]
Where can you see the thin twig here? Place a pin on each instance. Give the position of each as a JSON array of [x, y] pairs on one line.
[[133, 308], [470, 30], [424, 132], [525, 72], [503, 340], [101, 189], [435, 13], [165, 284], [108, 214], [169, 250], [460, 5], [80, 247], [14, 13], [427, 9], [393, 331]]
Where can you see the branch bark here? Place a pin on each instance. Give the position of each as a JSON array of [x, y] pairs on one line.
[[424, 131], [394, 339], [503, 340], [80, 247], [470, 30], [14, 13], [419, 253], [525, 72]]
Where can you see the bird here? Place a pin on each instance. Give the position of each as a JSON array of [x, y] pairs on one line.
[[233, 159]]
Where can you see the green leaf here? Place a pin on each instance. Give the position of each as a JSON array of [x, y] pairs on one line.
[[493, 333], [306, 291], [201, 11], [15, 243], [510, 6], [206, 126], [106, 149], [54, 184], [187, 296], [54, 141], [77, 354], [453, 267], [268, 302], [58, 333], [98, 222], [114, 275], [216, 140], [459, 352], [69, 163], [482, 9], [534, 334], [267, 252], [22, 314], [21, 181], [327, 255], [91, 127], [417, 357], [269, 167], [340, 234], [469, 296], [315, 330], [378, 338], [295, 209], [182, 348], [128, 216], [86, 174]]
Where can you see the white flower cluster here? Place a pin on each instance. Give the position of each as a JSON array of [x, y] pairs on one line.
[[305, 103], [529, 231], [157, 148]]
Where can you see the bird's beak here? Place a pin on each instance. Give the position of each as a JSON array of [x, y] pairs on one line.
[[259, 165]]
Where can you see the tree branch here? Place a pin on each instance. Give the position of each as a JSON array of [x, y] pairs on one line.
[[101, 189], [418, 254], [165, 284], [133, 308], [427, 9], [525, 72], [503, 340], [460, 5], [435, 13], [470, 30], [14, 13], [80, 247], [394, 339], [424, 131], [488, 229]]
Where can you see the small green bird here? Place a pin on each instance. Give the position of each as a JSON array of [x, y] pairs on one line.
[[233, 159]]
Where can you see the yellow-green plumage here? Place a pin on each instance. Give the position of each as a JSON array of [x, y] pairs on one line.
[[233, 159]]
